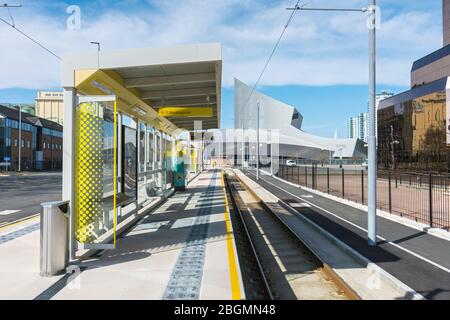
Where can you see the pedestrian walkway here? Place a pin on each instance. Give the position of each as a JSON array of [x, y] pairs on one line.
[[19, 266], [419, 260], [182, 250]]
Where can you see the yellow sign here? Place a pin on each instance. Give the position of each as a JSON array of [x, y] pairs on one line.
[[197, 112]]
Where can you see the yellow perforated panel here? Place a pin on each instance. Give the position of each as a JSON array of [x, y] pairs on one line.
[[88, 172]]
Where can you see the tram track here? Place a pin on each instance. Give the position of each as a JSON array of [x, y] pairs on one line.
[[283, 266]]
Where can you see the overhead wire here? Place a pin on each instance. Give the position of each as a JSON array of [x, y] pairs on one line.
[[12, 25], [291, 17]]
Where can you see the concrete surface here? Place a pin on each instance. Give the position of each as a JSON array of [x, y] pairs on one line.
[[142, 266]]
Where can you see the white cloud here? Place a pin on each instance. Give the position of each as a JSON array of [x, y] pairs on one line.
[[318, 49]]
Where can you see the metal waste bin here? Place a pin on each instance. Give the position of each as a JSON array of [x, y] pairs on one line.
[[54, 238]]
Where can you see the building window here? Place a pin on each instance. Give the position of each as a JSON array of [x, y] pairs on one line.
[[16, 142]]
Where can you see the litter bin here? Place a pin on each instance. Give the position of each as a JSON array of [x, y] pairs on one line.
[[54, 238]]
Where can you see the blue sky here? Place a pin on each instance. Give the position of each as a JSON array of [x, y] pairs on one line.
[[320, 67]]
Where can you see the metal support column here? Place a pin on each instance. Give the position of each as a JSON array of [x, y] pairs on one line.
[[271, 158], [257, 141], [243, 146], [372, 161], [69, 163]]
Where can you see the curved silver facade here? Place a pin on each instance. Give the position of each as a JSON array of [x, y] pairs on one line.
[[287, 121]]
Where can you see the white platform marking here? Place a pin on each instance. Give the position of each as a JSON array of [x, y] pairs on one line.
[[299, 205], [8, 212]]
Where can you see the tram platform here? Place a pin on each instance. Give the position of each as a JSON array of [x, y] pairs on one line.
[[184, 249]]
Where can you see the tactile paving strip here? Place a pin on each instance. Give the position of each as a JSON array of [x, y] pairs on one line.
[[19, 233], [58, 286], [186, 279]]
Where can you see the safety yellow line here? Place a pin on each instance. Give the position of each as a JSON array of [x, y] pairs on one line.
[[234, 278], [19, 222]]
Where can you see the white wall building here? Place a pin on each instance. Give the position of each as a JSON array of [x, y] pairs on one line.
[[50, 106]]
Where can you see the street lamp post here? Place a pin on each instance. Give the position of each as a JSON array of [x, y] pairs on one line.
[[393, 143], [372, 152], [243, 146], [271, 158], [20, 137], [257, 141]]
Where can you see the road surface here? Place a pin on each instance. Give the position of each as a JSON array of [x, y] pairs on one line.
[[21, 195]]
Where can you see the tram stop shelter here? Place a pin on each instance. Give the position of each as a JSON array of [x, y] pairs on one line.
[[128, 116]]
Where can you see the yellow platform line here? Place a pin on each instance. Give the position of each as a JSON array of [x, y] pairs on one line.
[[234, 277], [13, 224]]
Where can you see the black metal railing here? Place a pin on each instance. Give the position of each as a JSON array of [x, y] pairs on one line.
[[424, 198]]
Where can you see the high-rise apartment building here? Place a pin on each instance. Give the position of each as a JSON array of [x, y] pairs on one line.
[[358, 127], [352, 125], [363, 128]]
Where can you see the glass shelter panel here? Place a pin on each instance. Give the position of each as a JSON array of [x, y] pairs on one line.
[[95, 155]]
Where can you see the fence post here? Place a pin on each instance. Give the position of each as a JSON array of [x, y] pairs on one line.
[[362, 186], [298, 176], [390, 193], [328, 180], [343, 184], [430, 188], [306, 176], [313, 176]]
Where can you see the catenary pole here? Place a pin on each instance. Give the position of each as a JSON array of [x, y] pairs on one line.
[[257, 141], [243, 146], [372, 162], [372, 140], [20, 137], [271, 157]]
